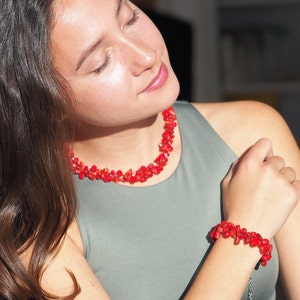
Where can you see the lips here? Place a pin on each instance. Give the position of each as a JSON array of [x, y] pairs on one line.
[[159, 80]]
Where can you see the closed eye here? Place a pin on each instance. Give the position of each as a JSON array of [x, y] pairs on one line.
[[103, 66], [134, 18]]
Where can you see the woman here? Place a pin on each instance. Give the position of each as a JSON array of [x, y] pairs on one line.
[[144, 234]]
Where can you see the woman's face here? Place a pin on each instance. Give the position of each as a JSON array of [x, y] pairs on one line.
[[114, 59]]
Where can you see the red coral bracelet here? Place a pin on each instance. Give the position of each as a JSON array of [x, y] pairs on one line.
[[227, 229]]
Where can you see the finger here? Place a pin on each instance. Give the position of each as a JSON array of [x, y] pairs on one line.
[[289, 173], [260, 151], [277, 161]]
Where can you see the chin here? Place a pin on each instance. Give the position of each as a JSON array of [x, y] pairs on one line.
[[173, 87]]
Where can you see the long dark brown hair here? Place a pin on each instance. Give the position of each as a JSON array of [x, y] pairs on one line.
[[37, 198]]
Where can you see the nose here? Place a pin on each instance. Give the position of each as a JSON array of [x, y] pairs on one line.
[[138, 56]]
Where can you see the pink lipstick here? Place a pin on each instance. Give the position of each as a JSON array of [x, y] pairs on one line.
[[159, 80]]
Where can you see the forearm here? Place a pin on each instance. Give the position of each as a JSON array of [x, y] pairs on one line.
[[225, 273]]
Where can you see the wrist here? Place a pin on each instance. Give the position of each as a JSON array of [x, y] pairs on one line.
[[253, 239]]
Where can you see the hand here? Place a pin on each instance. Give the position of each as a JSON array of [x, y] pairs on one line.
[[260, 192]]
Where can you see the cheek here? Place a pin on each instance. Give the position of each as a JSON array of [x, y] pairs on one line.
[[106, 86], [102, 95]]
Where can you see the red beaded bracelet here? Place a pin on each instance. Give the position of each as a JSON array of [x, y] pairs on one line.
[[227, 229]]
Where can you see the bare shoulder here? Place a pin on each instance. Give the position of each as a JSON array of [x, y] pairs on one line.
[[242, 123]]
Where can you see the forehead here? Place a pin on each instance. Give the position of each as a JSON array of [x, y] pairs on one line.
[[73, 15], [76, 23]]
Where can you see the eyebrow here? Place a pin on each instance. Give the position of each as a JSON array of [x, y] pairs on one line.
[[95, 45], [87, 52]]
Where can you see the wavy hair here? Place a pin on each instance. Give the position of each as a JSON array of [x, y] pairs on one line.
[[37, 197]]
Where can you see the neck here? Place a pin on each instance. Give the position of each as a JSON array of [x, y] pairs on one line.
[[86, 132], [119, 147], [133, 174]]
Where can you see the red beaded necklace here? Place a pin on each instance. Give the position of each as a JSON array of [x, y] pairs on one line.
[[144, 172]]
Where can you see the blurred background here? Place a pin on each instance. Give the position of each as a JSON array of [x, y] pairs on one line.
[[233, 50]]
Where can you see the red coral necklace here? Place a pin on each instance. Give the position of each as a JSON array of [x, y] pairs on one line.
[[141, 174]]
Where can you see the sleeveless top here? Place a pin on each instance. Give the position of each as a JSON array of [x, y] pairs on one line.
[[147, 243]]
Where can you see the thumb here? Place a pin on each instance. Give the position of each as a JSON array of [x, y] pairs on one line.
[[259, 151]]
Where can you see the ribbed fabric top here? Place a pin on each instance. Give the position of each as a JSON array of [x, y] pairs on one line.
[[147, 243]]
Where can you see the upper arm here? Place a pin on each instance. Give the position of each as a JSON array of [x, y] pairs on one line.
[[69, 259]]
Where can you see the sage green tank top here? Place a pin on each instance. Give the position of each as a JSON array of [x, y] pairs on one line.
[[147, 243]]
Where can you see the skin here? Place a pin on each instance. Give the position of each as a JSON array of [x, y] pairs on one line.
[[118, 118]]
